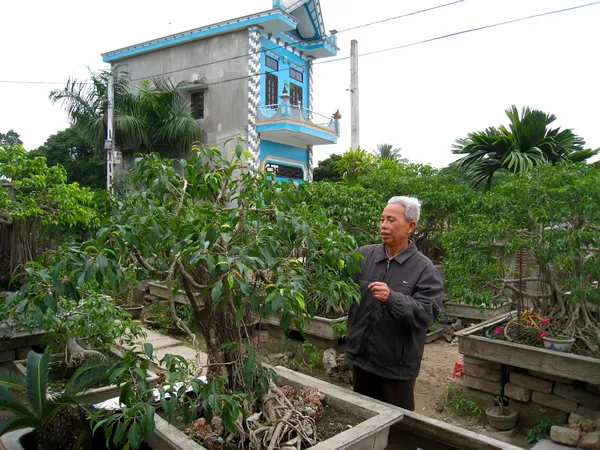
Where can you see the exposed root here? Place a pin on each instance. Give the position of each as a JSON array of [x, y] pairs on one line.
[[76, 354]]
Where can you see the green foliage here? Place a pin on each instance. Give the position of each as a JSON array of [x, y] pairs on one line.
[[325, 170], [62, 294], [341, 328], [389, 152], [10, 138], [36, 191], [539, 432], [527, 142], [154, 116], [353, 163], [455, 400], [552, 213], [83, 163], [39, 409]]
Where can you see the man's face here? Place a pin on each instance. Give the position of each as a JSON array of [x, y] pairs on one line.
[[393, 227]]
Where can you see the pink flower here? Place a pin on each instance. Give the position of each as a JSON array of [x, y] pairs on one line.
[[498, 330], [542, 335], [545, 320]]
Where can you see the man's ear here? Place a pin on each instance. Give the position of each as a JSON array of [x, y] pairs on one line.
[[411, 226]]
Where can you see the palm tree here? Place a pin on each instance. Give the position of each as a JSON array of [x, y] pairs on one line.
[[527, 142], [40, 409], [155, 116], [388, 151]]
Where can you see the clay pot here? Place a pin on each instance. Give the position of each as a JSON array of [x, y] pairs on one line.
[[502, 422]]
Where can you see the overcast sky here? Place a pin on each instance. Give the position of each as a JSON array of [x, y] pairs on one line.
[[419, 98]]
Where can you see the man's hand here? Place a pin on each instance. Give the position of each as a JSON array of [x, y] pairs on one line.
[[380, 290]]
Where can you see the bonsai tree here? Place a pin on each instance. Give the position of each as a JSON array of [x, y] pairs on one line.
[[37, 204], [551, 214]]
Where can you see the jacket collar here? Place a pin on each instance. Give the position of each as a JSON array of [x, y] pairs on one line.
[[381, 255]]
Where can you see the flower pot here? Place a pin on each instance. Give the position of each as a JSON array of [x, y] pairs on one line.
[[559, 343], [502, 422], [150, 322], [134, 311], [174, 329]]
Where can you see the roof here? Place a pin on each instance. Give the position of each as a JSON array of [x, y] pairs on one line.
[[298, 22]]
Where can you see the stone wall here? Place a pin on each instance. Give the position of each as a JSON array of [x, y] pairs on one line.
[[537, 396]]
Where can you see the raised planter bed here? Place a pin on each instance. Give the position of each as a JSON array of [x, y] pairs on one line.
[[550, 362], [433, 335], [372, 433], [161, 291], [319, 329], [14, 344], [90, 396], [472, 312]]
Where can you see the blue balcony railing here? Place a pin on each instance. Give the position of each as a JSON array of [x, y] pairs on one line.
[[297, 113]]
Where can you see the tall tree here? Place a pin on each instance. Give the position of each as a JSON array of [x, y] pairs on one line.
[[10, 138], [388, 151], [153, 116], [325, 170], [84, 165], [527, 142]]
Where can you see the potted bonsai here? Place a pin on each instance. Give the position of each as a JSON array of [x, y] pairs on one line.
[[501, 417], [128, 296]]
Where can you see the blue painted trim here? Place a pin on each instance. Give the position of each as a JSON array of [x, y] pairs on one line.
[[312, 21], [285, 126], [196, 34], [308, 46]]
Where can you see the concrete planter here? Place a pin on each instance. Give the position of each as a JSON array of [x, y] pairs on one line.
[[566, 365], [14, 344], [91, 396], [472, 312], [433, 335], [319, 328], [372, 433], [160, 290]]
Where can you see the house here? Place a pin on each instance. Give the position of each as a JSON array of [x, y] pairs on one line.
[[250, 77]]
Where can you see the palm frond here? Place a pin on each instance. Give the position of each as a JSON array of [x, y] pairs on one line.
[[17, 423], [89, 373], [11, 402], [37, 379], [51, 407], [12, 380]]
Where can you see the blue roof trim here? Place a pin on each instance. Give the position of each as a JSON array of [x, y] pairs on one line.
[[308, 45], [223, 27], [296, 128]]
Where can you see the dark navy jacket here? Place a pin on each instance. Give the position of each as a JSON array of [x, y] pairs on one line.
[[388, 338]]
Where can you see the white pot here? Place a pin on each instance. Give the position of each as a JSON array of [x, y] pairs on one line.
[[560, 345]]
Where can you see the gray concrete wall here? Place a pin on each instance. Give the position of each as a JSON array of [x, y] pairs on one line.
[[226, 103]]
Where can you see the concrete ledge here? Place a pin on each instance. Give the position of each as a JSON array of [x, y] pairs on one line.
[[167, 437], [370, 434], [449, 435], [319, 327]]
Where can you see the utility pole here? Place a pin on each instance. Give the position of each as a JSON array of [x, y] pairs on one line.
[[109, 143], [354, 108]]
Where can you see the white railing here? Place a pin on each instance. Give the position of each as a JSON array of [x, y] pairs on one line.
[[297, 113]]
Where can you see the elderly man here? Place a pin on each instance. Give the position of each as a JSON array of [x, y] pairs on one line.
[[401, 295]]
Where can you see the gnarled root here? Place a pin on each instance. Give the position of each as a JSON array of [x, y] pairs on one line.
[[285, 421], [75, 353]]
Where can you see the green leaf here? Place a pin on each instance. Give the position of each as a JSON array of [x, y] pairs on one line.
[[238, 151], [230, 281], [37, 379], [101, 262], [149, 350], [217, 291], [286, 321]]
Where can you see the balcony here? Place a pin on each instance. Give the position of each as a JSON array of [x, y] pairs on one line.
[[296, 125]]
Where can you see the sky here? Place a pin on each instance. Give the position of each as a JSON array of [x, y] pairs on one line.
[[420, 98]]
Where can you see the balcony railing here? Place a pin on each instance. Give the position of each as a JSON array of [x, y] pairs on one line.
[[297, 113]]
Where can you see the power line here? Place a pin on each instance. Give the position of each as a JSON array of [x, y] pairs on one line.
[[284, 46], [437, 38]]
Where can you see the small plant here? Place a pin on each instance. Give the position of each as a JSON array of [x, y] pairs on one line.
[[51, 416], [455, 400], [501, 401], [341, 328], [540, 431], [311, 355]]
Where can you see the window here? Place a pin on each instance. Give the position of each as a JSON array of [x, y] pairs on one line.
[[272, 63], [271, 97], [283, 170], [197, 104], [295, 94], [296, 75]]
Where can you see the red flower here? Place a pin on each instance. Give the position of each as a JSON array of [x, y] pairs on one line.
[[542, 335], [545, 320], [498, 330]]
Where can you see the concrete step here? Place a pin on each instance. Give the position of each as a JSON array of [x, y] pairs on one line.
[[547, 444]]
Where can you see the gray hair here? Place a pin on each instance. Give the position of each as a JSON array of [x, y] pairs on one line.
[[412, 207]]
